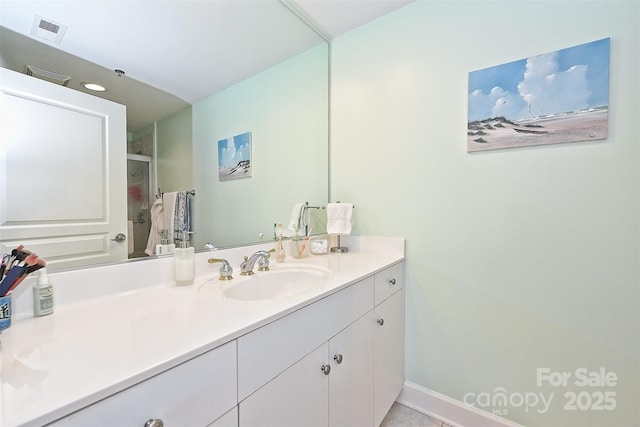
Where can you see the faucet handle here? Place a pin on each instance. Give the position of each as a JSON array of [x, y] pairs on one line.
[[263, 262], [226, 270]]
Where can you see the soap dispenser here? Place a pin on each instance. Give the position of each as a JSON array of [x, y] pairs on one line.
[[164, 247], [184, 260]]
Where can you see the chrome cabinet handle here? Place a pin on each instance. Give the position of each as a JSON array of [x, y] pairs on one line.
[[154, 423], [326, 369], [120, 237], [392, 282], [380, 322], [338, 358]]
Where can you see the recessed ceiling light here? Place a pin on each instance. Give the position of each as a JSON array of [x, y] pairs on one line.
[[95, 87]]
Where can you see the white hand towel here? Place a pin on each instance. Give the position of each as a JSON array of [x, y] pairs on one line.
[[339, 218], [296, 220]]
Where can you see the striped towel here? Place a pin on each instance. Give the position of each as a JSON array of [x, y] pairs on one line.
[[182, 219]]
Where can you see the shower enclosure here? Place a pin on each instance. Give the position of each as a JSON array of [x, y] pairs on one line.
[[139, 191]]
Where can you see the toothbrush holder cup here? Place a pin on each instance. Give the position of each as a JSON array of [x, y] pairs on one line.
[[300, 248]]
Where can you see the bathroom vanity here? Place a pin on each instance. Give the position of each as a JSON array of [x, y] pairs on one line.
[[329, 355]]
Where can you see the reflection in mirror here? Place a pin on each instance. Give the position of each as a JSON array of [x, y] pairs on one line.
[[285, 107]]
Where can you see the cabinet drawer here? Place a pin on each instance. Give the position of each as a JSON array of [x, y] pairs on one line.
[[389, 281], [269, 350], [196, 392]]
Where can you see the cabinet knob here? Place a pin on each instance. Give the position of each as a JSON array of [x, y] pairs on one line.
[[154, 423], [380, 322], [326, 369], [338, 358], [392, 282]]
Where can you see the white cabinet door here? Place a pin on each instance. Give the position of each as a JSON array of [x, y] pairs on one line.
[[62, 172], [351, 377], [296, 397], [388, 353]]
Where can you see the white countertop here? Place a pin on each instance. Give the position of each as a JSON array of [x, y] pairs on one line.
[[90, 349]]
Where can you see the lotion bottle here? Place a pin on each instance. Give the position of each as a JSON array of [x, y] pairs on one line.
[[184, 260], [280, 254], [42, 295]]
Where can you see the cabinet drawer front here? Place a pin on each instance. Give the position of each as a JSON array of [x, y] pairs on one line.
[[389, 281], [266, 352], [193, 393]]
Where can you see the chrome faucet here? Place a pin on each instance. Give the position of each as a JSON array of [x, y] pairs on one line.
[[246, 268], [210, 246], [226, 270]]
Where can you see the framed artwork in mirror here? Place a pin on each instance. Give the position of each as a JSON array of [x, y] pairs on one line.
[[234, 157]]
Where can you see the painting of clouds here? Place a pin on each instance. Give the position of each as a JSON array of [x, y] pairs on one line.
[[234, 157], [557, 97]]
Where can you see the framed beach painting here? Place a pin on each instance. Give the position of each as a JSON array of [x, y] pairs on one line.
[[234, 157], [557, 97]]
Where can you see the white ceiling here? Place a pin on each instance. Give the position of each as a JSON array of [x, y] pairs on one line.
[[335, 17], [188, 49]]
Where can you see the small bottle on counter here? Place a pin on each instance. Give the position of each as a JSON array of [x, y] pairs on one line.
[[280, 254], [42, 295], [184, 260]]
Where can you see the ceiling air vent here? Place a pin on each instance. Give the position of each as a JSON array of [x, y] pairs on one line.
[[48, 30], [47, 75]]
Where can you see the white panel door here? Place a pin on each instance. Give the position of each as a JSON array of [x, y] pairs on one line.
[[62, 172]]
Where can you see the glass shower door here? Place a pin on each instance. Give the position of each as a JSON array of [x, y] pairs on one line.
[[138, 203]]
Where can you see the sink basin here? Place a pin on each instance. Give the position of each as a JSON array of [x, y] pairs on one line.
[[281, 280]]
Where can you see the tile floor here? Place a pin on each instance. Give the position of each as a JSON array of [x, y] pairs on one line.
[[401, 416]]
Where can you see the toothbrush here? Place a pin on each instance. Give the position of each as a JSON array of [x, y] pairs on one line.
[[309, 232]]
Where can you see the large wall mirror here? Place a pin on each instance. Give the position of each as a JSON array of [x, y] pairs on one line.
[[270, 81]]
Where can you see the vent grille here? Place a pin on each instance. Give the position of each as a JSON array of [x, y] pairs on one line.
[[49, 26], [48, 30], [47, 75]]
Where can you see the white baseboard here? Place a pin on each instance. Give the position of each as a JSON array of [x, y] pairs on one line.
[[448, 410]]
